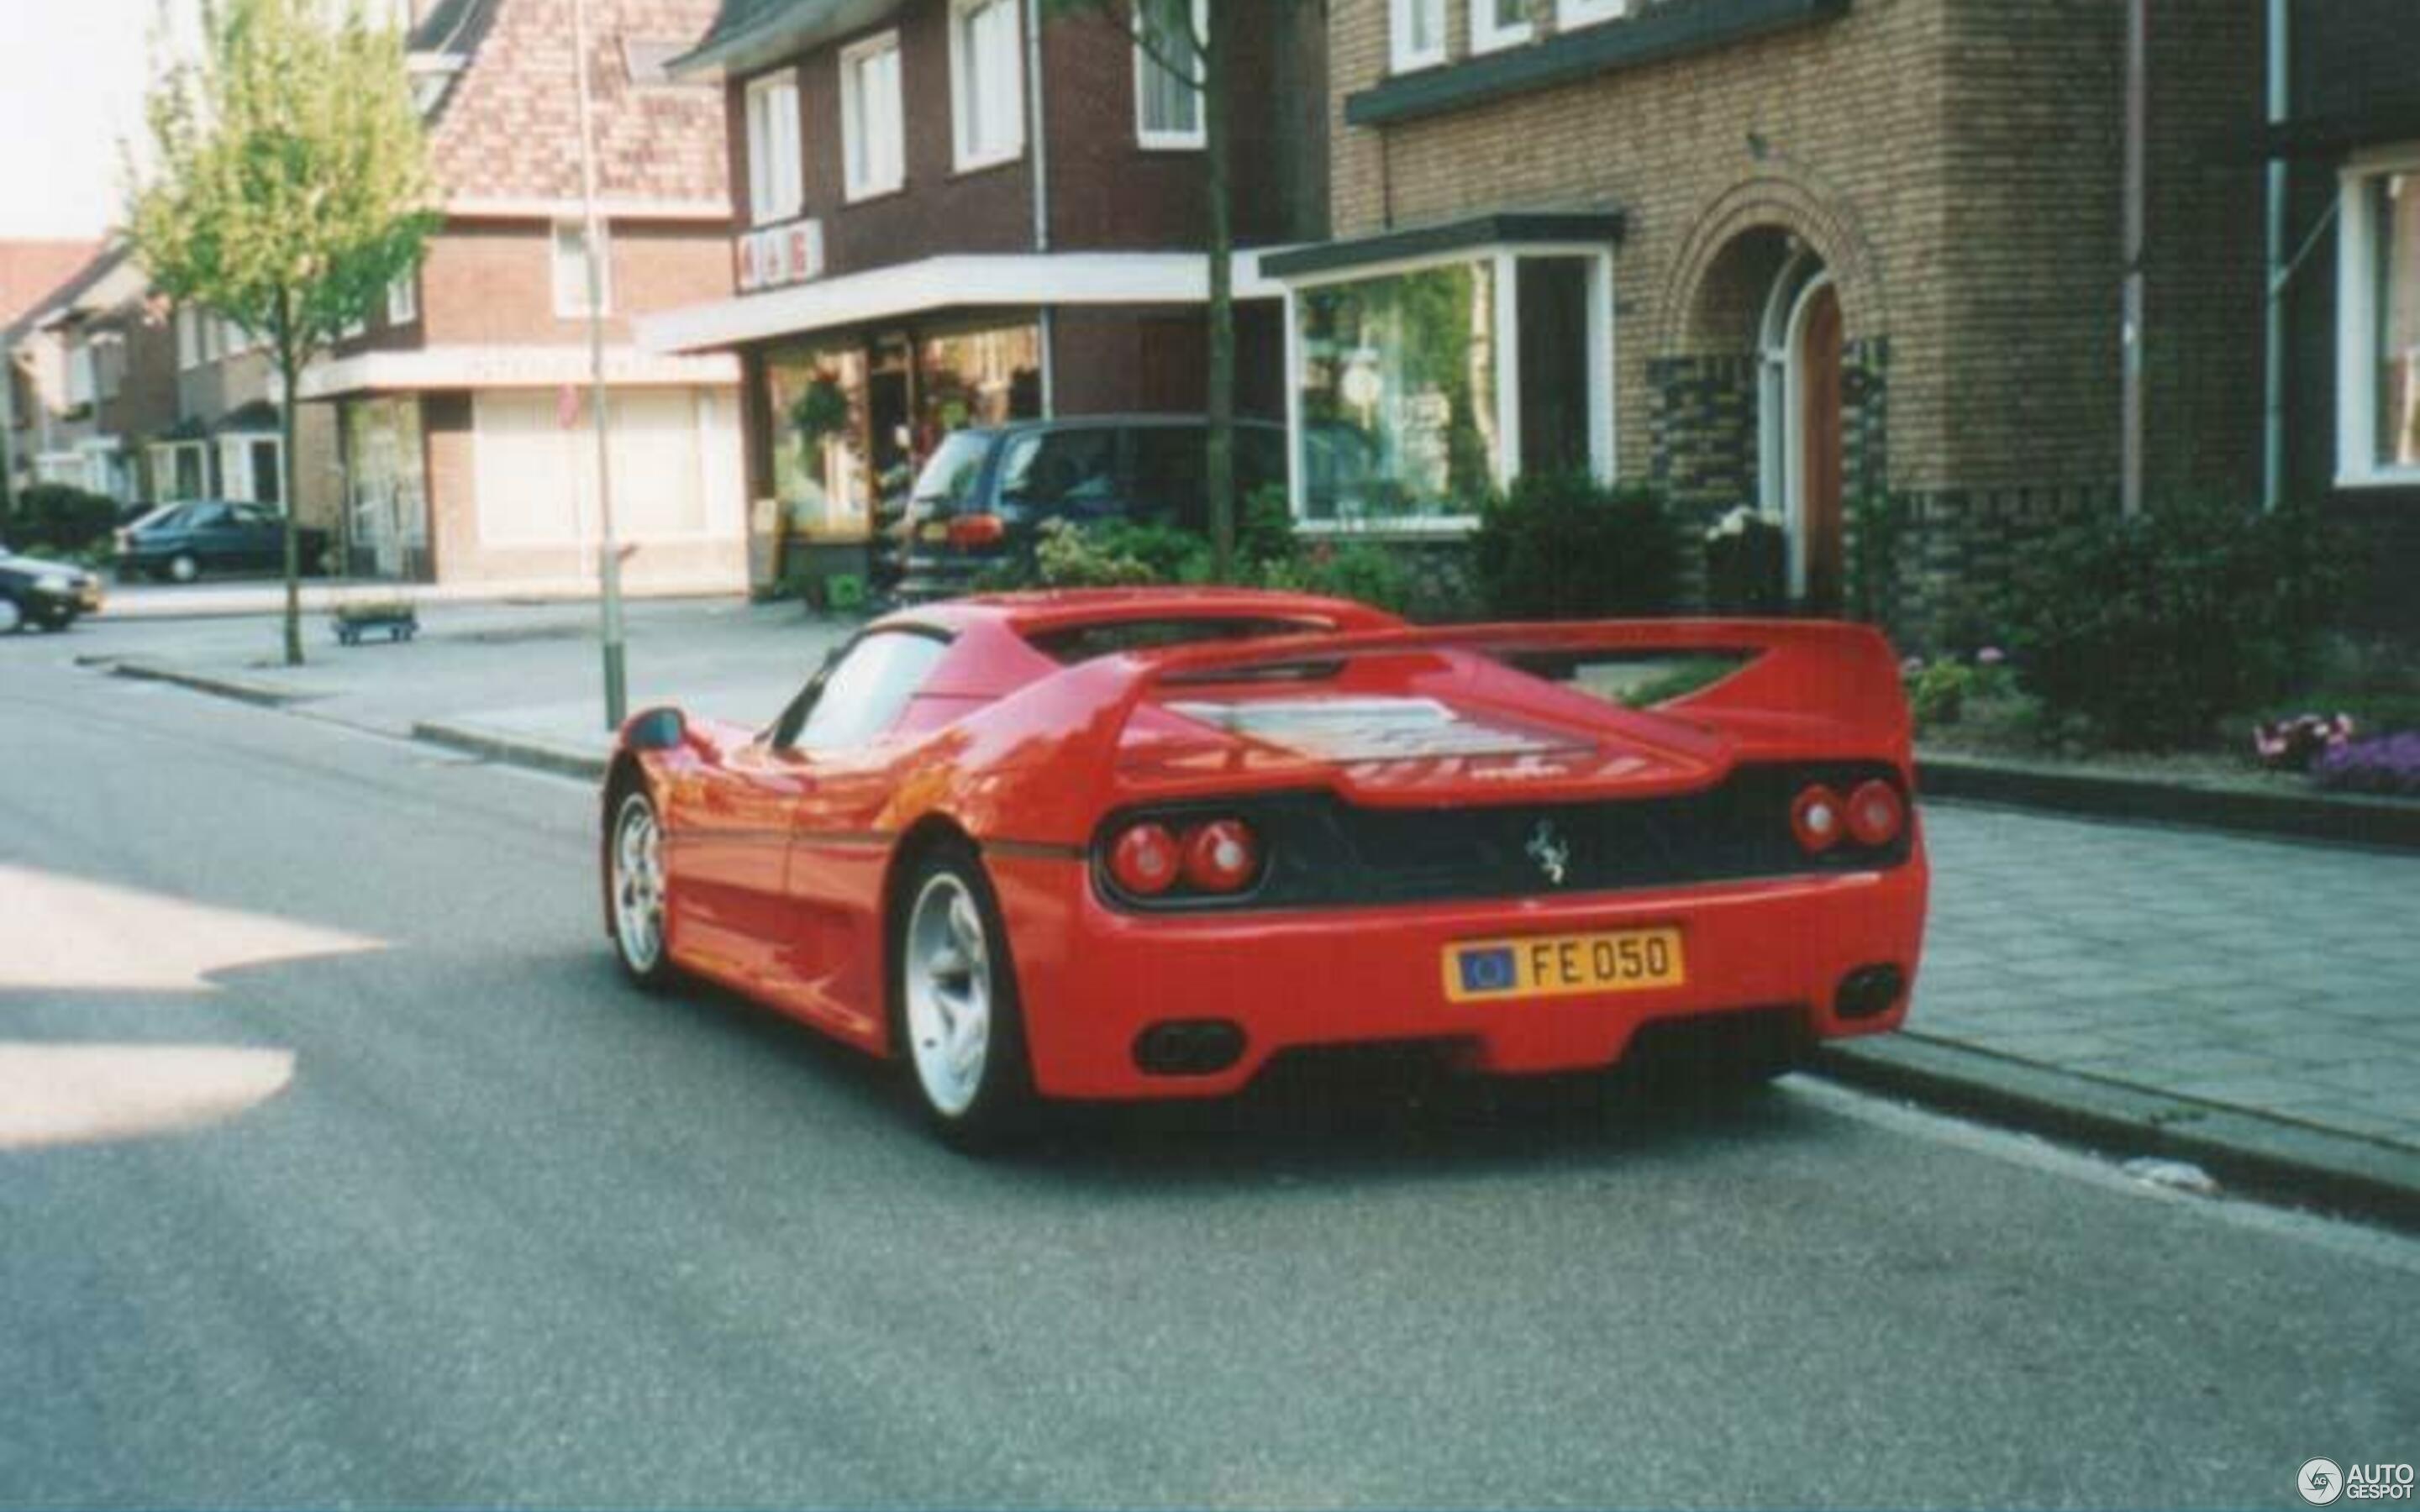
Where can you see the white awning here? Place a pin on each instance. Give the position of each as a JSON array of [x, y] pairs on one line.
[[509, 368], [1075, 279]]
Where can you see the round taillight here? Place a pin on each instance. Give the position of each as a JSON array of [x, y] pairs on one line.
[[1144, 860], [1815, 819], [1222, 856], [1876, 811]]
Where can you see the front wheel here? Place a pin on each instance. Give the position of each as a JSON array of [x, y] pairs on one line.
[[634, 880], [956, 986], [12, 619], [184, 567]]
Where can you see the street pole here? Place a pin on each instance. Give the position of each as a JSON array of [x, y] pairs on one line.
[[609, 557]]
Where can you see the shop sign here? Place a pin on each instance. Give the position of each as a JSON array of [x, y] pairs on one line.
[[774, 255]]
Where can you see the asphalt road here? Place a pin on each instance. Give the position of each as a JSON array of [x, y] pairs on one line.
[[469, 1221]]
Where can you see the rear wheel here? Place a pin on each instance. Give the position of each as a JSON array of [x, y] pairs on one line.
[[634, 882], [12, 619], [184, 567], [955, 988]]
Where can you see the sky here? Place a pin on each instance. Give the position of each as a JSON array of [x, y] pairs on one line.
[[71, 81]]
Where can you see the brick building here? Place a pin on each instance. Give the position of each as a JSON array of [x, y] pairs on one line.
[[957, 211], [92, 379], [2346, 141], [461, 406], [1788, 254]]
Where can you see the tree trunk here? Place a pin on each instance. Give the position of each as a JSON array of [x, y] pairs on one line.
[[1220, 466], [289, 367]]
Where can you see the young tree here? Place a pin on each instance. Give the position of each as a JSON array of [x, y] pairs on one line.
[[1196, 42], [288, 187]]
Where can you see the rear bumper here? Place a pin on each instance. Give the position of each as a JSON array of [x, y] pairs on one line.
[[1092, 980]]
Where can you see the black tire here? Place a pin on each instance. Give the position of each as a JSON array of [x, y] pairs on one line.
[[628, 897], [13, 617], [184, 567], [971, 1110]]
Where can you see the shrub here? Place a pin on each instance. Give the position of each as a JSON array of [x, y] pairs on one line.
[[55, 516], [2292, 745], [1936, 695], [2148, 629], [1265, 534], [2389, 765], [1565, 547]]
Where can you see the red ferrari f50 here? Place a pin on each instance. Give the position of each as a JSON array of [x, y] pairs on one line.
[[1133, 844]]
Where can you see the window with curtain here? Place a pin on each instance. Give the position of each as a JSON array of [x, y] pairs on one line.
[[1168, 102], [776, 185]]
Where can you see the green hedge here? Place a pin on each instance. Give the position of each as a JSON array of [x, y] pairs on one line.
[[1565, 546], [55, 517], [2147, 630]]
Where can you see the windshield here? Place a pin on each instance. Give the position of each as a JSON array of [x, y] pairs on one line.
[[948, 480]]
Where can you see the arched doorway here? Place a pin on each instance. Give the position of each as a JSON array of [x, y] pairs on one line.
[[1799, 425]]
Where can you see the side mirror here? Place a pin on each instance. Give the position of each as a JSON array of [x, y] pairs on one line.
[[655, 730]]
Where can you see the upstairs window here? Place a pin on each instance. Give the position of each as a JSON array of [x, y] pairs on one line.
[[871, 122], [1571, 13], [188, 336], [403, 300], [1168, 72], [1417, 29], [571, 270], [776, 184], [1495, 24], [986, 83]]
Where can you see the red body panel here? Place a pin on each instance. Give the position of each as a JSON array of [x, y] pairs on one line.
[[780, 862]]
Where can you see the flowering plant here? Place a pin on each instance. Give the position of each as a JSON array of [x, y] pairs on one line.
[[2389, 764], [2292, 745]]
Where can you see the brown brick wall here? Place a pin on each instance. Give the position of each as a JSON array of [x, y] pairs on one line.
[[1956, 164], [492, 283], [1106, 192]]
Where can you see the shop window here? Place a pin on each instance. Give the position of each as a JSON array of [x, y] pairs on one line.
[[976, 377], [1168, 72], [869, 117], [2379, 439], [1419, 393], [818, 402]]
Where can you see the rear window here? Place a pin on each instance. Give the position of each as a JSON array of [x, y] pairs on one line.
[[949, 476], [1085, 641]]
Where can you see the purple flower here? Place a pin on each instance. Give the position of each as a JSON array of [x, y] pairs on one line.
[[2389, 764]]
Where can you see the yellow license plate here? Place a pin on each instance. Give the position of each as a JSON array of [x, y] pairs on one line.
[[1559, 966]]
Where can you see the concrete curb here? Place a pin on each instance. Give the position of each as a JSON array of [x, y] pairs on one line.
[[2349, 819], [243, 690], [2275, 1158], [512, 749], [321, 598]]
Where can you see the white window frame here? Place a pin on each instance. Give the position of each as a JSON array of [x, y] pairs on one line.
[[965, 155], [1487, 37], [1604, 437], [1401, 56], [777, 180], [858, 123], [189, 338], [571, 302], [163, 467], [403, 299], [1145, 65], [1572, 13], [84, 374], [2357, 251]]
